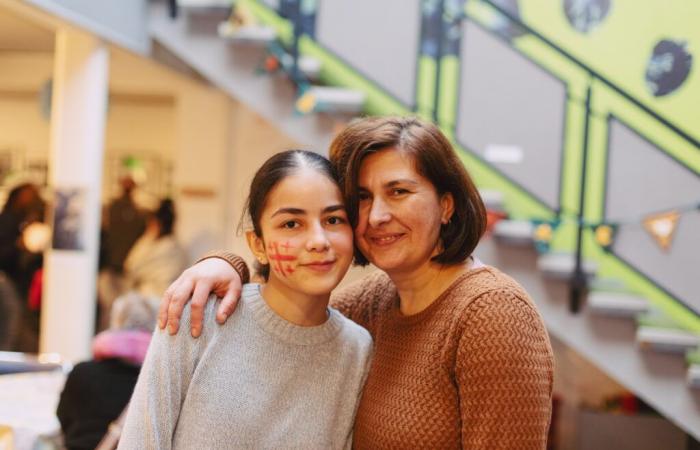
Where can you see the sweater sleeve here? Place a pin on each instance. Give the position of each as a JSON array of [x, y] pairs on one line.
[[359, 300], [163, 383], [504, 372]]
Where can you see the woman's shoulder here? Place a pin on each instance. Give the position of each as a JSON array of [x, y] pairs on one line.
[[487, 281], [487, 291]]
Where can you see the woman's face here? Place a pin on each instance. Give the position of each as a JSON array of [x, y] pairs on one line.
[[400, 213], [306, 237]]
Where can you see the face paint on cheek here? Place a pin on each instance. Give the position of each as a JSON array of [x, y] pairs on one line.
[[278, 258]]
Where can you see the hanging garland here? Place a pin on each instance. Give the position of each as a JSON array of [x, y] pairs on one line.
[[661, 226]]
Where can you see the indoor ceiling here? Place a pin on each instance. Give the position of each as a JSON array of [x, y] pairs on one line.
[[19, 34]]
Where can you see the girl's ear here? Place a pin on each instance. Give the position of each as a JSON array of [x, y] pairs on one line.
[[257, 246]]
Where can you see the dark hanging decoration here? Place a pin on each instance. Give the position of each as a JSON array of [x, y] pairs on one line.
[[585, 15], [441, 18], [503, 25], [668, 67]]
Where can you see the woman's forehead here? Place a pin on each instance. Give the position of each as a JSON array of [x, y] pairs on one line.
[[388, 165]]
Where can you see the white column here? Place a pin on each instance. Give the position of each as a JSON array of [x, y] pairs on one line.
[[78, 115]]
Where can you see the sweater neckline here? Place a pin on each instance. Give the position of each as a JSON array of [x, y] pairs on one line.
[[403, 319], [284, 330]]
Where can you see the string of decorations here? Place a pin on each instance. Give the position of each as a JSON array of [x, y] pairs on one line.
[[661, 226]]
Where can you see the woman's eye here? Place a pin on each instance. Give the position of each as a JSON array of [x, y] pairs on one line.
[[399, 191], [362, 196], [290, 224]]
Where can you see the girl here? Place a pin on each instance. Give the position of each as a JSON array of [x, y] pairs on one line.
[[294, 377]]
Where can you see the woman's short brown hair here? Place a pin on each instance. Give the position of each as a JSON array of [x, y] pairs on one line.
[[434, 158]]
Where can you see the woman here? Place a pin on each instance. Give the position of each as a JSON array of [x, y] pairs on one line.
[[157, 257], [462, 358], [297, 380], [153, 262]]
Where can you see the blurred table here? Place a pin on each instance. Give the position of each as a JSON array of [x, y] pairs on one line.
[[28, 410]]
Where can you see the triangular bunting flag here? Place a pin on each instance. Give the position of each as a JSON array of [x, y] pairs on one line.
[[662, 227]]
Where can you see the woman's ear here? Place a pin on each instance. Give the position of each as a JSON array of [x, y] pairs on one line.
[[257, 246], [447, 203]]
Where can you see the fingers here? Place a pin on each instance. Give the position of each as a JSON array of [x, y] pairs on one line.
[[178, 298], [163, 307], [228, 303], [199, 300]]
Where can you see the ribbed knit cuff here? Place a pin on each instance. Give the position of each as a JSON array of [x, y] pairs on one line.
[[236, 262]]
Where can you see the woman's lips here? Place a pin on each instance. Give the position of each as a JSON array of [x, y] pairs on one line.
[[385, 239]]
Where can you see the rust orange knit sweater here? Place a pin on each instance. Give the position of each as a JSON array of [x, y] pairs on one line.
[[474, 370]]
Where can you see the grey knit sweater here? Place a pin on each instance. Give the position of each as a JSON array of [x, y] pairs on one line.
[[256, 382]]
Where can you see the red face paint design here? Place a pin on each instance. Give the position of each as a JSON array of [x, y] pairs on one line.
[[278, 259]]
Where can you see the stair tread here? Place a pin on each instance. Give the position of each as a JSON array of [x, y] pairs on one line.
[[617, 303], [248, 33], [667, 339], [693, 377], [563, 264]]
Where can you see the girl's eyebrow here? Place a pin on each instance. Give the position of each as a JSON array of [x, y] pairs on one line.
[[301, 212], [333, 208], [294, 211]]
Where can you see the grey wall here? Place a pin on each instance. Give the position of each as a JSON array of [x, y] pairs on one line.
[[123, 22], [379, 39], [506, 100], [642, 180]]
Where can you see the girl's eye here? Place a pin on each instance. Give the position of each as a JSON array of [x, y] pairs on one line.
[[363, 196], [290, 224], [335, 220]]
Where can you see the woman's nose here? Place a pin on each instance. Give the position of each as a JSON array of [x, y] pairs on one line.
[[378, 213]]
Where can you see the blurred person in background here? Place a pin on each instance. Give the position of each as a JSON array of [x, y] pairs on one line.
[[157, 258], [125, 223], [24, 206], [20, 262], [10, 314], [97, 391], [154, 261]]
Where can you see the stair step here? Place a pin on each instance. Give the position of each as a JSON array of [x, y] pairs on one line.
[[515, 232], [310, 67], [492, 199], [666, 339], [247, 34], [617, 304], [204, 4], [335, 99], [694, 376], [560, 266]]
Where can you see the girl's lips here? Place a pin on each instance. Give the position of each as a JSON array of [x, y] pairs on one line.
[[321, 266]]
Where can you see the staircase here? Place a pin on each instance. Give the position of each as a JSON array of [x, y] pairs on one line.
[[618, 330]]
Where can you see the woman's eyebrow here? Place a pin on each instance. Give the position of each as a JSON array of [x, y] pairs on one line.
[[393, 183], [294, 211]]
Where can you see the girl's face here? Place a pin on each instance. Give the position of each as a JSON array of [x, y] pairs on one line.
[[400, 213], [306, 238]]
